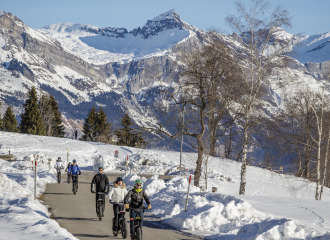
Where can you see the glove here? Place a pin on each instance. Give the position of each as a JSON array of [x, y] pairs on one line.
[[93, 191], [149, 206], [111, 201], [126, 206], [79, 173]]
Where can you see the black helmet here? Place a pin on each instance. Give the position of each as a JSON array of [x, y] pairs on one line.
[[119, 179]]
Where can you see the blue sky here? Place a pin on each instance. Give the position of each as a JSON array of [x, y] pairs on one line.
[[309, 16]]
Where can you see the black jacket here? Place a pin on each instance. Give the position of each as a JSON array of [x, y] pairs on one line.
[[102, 183], [136, 198]]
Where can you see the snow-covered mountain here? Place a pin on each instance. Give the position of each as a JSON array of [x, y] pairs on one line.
[[84, 65], [103, 45]]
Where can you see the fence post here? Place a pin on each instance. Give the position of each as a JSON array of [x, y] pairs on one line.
[[185, 208], [67, 156], [35, 178], [126, 166]]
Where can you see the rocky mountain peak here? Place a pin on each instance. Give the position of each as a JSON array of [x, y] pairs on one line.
[[164, 21]]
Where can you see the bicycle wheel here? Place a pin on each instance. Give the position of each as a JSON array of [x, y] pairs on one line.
[[59, 178], [138, 234], [74, 188], [100, 212], [123, 229]]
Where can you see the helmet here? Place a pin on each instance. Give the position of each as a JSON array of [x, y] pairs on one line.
[[118, 179], [74, 160], [70, 162], [59, 158], [138, 181], [101, 167]]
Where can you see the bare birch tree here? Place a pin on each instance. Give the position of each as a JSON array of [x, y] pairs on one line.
[[260, 52]]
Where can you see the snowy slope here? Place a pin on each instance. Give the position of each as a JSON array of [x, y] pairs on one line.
[[110, 44], [315, 48], [276, 206]]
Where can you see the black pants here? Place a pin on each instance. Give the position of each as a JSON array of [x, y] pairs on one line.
[[116, 211], [131, 221], [103, 202], [76, 180], [69, 177]]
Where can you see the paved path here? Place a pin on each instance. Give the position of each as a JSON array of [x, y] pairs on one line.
[[77, 214]]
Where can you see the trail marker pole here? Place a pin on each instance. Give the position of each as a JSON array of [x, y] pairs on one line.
[[126, 166], [67, 156], [185, 208], [35, 178]]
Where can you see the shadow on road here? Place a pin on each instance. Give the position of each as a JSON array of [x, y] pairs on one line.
[[92, 236], [76, 219], [57, 193]]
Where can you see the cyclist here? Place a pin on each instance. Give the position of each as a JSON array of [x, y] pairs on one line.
[[58, 164], [136, 195], [117, 195], [100, 183], [74, 170], [66, 170]]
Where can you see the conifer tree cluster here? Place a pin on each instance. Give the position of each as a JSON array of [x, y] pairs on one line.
[[8, 123], [127, 136], [51, 116], [96, 127]]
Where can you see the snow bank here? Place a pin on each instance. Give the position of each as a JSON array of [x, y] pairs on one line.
[[108, 162], [22, 217], [215, 215]]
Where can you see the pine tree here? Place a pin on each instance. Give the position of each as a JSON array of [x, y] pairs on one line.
[[9, 121], [57, 124], [102, 127], [126, 135], [31, 119], [1, 121], [89, 129], [46, 113]]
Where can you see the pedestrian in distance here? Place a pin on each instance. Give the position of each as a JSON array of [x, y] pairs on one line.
[[67, 171], [76, 134], [116, 196], [136, 196], [100, 183], [74, 169]]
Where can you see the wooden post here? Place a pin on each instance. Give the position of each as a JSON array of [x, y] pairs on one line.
[[126, 166], [185, 208], [35, 178]]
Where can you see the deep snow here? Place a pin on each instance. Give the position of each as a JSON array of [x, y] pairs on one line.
[[276, 206]]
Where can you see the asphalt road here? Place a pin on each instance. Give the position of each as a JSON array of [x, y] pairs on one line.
[[77, 214]]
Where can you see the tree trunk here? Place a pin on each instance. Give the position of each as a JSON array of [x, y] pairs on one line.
[[244, 156], [199, 162], [212, 140], [229, 145], [325, 166]]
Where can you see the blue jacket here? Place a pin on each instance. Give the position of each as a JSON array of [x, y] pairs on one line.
[[74, 169]]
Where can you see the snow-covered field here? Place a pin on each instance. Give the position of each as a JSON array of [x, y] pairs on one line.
[[276, 206]]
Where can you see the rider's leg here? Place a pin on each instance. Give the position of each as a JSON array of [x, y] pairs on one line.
[[141, 215], [96, 198], [131, 221], [115, 220], [77, 182], [103, 202]]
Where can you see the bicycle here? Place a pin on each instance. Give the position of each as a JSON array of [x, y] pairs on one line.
[[59, 176], [137, 219], [74, 184], [100, 205], [122, 226]]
